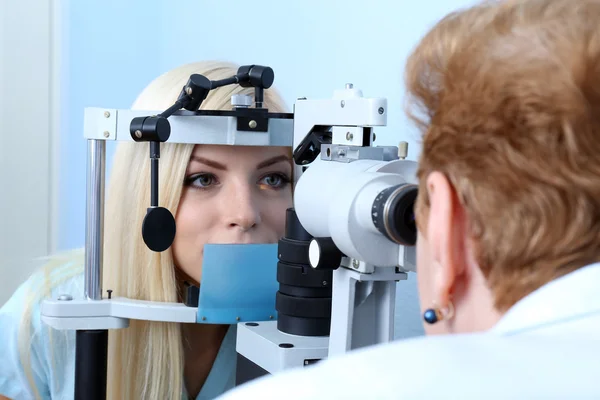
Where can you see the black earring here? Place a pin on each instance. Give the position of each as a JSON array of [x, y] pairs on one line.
[[432, 315], [435, 314]]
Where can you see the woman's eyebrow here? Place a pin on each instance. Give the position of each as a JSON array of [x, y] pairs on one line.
[[261, 165], [271, 161], [210, 163]]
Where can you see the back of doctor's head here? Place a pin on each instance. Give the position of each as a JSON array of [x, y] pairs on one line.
[[507, 94]]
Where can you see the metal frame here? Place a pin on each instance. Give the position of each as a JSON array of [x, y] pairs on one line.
[[363, 294], [94, 224], [113, 124], [363, 308], [275, 351], [362, 315], [101, 125]]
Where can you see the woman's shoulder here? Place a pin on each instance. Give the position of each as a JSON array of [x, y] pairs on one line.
[[62, 273], [30, 349]]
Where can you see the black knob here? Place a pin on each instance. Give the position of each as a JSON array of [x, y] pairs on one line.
[[324, 254], [256, 76], [195, 91], [150, 129]]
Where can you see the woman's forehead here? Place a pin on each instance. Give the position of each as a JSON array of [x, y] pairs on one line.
[[230, 152]]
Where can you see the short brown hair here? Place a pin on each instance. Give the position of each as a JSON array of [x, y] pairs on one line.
[[508, 96]]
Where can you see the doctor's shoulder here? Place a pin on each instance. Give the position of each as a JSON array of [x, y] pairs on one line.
[[466, 366], [37, 360]]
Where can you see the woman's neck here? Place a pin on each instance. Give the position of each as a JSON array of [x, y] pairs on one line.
[[200, 338], [201, 345]]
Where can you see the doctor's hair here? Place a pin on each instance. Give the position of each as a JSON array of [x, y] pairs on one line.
[[507, 95], [145, 360]]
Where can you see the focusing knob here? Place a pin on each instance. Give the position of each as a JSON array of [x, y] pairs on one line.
[[324, 254], [393, 214]]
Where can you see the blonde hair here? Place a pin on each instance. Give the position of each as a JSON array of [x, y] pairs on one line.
[[145, 360], [508, 96]]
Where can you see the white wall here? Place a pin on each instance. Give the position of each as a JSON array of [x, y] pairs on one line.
[[315, 46], [29, 64]]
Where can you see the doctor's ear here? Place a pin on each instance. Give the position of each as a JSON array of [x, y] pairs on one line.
[[445, 232]]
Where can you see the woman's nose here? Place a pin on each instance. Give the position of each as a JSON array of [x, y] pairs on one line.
[[242, 210]]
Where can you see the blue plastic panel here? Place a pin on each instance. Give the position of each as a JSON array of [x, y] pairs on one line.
[[239, 283]]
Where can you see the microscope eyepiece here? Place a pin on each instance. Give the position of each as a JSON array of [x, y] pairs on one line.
[[393, 213]]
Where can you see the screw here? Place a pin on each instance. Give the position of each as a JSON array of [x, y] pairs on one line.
[[203, 318], [188, 90], [343, 103], [402, 150], [374, 136], [355, 264], [270, 317], [324, 283], [138, 134], [106, 133], [349, 136], [237, 318], [65, 297], [349, 86], [252, 124], [106, 114], [381, 110], [109, 291]]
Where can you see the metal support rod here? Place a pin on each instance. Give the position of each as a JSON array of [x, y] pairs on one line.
[[94, 223], [154, 173], [363, 309]]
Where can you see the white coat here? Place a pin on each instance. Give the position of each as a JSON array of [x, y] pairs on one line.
[[547, 346]]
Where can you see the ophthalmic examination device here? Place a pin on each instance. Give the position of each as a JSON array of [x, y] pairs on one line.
[[327, 287]]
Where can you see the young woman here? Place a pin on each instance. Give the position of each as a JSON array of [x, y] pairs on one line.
[[218, 194]]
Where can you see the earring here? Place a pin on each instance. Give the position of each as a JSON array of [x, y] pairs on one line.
[[435, 314]]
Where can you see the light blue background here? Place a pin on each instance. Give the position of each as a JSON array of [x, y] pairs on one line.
[[114, 48]]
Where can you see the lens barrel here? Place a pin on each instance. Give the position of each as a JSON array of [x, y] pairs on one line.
[[303, 302], [393, 213]]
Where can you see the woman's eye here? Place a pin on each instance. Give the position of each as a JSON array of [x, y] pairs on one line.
[[201, 181], [276, 180]]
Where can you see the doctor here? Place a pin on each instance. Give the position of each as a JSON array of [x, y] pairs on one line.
[[508, 216]]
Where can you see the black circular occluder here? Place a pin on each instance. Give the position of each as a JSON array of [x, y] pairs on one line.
[[158, 229]]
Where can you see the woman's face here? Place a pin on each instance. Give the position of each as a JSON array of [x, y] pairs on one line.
[[231, 194]]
